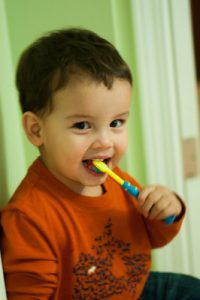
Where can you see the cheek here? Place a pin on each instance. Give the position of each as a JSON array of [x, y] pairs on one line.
[[75, 147], [122, 144]]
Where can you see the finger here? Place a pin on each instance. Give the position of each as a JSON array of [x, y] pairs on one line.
[[160, 208], [144, 193], [150, 201], [168, 211]]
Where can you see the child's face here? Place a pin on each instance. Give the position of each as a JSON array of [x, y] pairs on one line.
[[88, 122]]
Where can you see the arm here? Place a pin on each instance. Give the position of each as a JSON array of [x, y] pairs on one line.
[[29, 264]]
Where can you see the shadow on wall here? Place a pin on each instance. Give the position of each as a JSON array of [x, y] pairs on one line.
[[3, 175]]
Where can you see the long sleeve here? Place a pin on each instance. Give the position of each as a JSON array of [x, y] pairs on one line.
[[29, 265]]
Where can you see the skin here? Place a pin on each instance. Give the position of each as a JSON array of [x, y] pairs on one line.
[[89, 121]]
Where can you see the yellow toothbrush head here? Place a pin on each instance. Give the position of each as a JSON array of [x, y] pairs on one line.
[[100, 165]]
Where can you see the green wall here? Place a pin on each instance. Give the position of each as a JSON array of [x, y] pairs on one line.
[[27, 20]]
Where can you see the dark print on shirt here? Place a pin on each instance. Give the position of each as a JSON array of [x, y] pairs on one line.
[[96, 275]]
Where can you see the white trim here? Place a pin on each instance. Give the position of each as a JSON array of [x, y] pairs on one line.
[[189, 118], [161, 81], [2, 283]]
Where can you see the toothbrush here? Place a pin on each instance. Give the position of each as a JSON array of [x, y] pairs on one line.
[[131, 189]]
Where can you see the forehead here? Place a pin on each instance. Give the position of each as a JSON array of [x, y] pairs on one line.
[[85, 94]]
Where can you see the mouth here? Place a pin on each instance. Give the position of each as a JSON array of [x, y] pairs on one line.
[[88, 164]]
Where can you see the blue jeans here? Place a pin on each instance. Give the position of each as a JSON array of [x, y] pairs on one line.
[[171, 286]]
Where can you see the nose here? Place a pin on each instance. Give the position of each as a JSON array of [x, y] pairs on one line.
[[102, 140]]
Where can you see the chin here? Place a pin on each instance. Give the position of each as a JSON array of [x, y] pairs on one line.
[[93, 183]]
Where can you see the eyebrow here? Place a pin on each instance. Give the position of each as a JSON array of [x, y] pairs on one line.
[[78, 116], [125, 114], [85, 116]]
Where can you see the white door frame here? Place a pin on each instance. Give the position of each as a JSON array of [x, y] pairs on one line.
[[167, 89]]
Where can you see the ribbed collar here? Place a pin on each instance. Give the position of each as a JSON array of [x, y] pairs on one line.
[[45, 178]]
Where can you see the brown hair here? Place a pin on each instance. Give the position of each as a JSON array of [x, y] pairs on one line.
[[48, 64]]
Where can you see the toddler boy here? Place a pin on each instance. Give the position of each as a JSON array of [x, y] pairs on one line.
[[69, 232]]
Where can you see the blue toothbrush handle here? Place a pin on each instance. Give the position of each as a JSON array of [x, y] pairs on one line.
[[131, 189], [169, 220], [134, 191]]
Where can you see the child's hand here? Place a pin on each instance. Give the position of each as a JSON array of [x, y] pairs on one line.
[[158, 202]]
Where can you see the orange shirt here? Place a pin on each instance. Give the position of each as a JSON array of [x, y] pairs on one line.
[[59, 245]]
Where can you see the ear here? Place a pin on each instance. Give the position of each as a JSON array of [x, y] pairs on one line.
[[32, 126]]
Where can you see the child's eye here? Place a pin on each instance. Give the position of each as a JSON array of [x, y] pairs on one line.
[[116, 123], [82, 125]]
